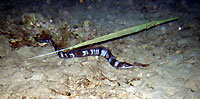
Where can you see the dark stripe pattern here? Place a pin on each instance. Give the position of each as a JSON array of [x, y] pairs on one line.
[[92, 51]]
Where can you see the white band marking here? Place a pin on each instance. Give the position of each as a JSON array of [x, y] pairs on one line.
[[116, 63], [85, 52], [61, 54], [71, 55], [97, 51], [103, 52], [92, 51]]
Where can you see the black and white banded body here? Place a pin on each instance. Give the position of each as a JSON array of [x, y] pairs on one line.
[[92, 51]]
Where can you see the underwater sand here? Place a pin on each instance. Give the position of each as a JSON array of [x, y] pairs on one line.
[[173, 54]]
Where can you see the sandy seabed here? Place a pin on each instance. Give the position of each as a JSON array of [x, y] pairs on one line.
[[173, 55]]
